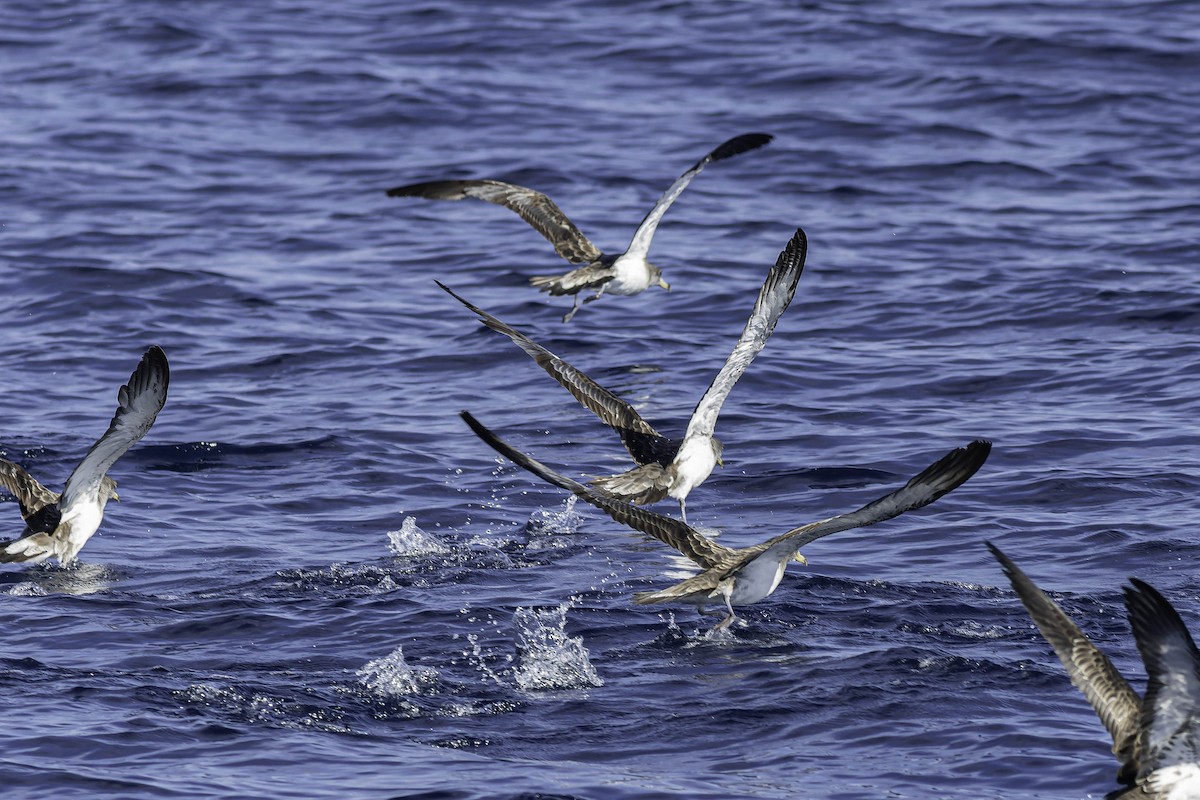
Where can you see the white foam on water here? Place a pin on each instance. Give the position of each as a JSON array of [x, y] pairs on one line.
[[27, 589], [549, 659], [391, 676]]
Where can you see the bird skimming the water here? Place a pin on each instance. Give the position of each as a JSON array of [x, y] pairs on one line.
[[59, 525], [741, 576]]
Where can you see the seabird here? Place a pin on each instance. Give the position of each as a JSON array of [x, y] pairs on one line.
[[667, 467], [741, 576], [623, 273], [1155, 737], [60, 525]]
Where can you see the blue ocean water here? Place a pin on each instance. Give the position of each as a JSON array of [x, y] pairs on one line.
[[320, 584]]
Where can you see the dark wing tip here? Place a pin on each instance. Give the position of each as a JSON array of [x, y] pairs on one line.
[[410, 190], [157, 358], [953, 469], [794, 253], [1153, 620], [432, 190], [153, 368], [740, 144], [453, 294]]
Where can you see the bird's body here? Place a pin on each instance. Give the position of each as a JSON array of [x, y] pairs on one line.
[[743, 576], [667, 468], [625, 273], [58, 526], [1156, 737]]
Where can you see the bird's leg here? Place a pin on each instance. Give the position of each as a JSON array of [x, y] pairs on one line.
[[730, 617], [575, 307], [682, 511], [597, 295]]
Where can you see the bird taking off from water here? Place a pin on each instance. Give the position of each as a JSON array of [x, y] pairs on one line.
[[741, 576], [59, 525]]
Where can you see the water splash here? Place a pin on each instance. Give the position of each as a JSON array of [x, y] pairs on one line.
[[410, 541], [554, 522], [549, 659], [391, 676]]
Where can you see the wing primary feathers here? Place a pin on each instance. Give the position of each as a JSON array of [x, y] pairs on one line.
[[639, 437], [31, 496], [542, 213], [673, 532], [773, 299], [640, 244], [139, 402], [1114, 701]]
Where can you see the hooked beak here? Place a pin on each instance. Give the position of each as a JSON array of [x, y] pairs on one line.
[[801, 559], [664, 284], [720, 461], [116, 497]]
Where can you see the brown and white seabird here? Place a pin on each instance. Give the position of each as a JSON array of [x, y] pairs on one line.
[[622, 273], [741, 576], [667, 467], [59, 525], [1156, 737]]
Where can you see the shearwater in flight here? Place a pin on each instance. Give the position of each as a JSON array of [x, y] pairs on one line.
[[667, 467], [623, 273]]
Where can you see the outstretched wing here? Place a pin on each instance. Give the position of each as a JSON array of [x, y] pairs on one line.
[[673, 532], [534, 207], [642, 441], [776, 293], [139, 402], [1115, 702], [949, 472], [1171, 705], [31, 495], [640, 245]]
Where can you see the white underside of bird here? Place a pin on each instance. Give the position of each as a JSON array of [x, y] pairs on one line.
[[632, 274], [1176, 782], [692, 465], [80, 522]]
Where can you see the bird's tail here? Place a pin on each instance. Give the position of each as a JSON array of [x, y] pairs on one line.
[[645, 598], [32, 549], [640, 485]]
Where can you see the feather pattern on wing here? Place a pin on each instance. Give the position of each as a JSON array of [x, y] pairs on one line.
[[776, 293], [138, 403], [1171, 705], [675, 533], [1115, 702], [641, 485], [31, 495], [640, 438], [534, 207]]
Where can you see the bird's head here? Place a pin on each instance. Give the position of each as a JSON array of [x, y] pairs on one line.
[[656, 274], [108, 489], [718, 451]]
